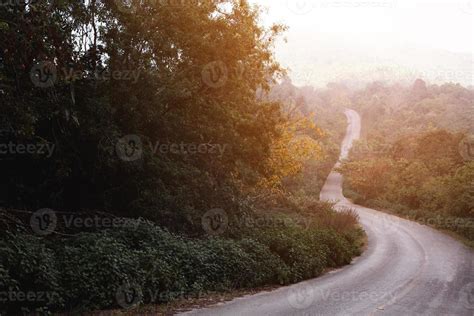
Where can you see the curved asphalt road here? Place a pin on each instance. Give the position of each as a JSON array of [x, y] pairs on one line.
[[408, 269]]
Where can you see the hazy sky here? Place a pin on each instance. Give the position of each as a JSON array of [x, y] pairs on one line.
[[348, 39]]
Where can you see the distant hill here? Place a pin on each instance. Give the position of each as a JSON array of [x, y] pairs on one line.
[[328, 62]]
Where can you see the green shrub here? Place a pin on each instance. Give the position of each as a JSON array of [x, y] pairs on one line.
[[94, 265], [85, 271], [264, 266], [27, 265]]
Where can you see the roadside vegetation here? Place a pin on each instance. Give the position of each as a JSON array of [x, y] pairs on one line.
[[172, 169], [416, 157]]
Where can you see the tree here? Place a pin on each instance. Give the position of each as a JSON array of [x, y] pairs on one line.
[[167, 75]]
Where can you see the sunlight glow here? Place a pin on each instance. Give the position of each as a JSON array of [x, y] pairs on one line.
[[348, 40]]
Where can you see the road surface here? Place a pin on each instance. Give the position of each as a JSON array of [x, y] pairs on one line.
[[407, 269]]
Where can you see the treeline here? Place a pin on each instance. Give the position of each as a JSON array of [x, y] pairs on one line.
[[141, 152], [393, 111], [416, 159]]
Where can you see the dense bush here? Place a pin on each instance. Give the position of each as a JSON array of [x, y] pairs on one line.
[[29, 264], [85, 271]]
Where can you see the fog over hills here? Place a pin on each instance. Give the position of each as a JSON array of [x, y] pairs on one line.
[[361, 41], [336, 62]]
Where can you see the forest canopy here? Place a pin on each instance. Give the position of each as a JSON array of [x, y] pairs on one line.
[[142, 151]]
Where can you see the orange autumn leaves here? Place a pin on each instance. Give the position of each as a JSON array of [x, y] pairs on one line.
[[297, 143]]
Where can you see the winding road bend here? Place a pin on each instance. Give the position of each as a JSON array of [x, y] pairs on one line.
[[407, 269]]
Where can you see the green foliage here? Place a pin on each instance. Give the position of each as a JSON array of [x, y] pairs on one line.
[[28, 265], [93, 266], [84, 272], [422, 176], [168, 49], [394, 112]]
